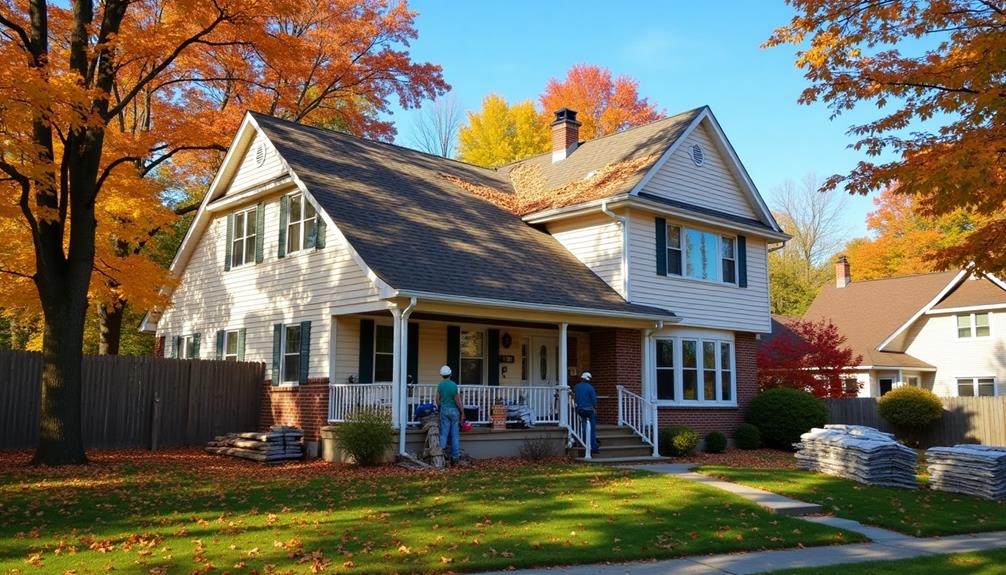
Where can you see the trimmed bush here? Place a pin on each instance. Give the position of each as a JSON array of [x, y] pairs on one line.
[[366, 435], [716, 442], [911, 410], [783, 414], [678, 440], [747, 436]]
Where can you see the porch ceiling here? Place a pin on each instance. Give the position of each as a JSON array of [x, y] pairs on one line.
[[493, 321], [483, 314]]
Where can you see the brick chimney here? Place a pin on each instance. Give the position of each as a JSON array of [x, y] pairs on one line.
[[843, 276], [565, 134]]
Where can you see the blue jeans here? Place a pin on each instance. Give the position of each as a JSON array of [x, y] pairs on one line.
[[587, 415], [449, 428]]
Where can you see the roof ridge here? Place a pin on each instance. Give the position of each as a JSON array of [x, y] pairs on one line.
[[904, 277]]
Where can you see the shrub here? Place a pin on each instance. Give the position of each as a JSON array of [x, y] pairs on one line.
[[716, 442], [366, 435], [747, 436], [912, 410], [783, 414], [537, 449], [678, 440]]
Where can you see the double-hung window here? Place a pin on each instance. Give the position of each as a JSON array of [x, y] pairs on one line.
[[701, 254], [302, 226], [665, 370], [695, 371], [188, 348], [976, 386], [384, 353], [291, 353], [472, 357], [243, 242], [973, 325], [230, 346]]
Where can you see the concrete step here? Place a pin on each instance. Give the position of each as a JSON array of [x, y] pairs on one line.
[[623, 460]]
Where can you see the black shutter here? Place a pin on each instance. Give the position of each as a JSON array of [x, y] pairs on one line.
[[259, 233], [242, 333], [284, 214], [412, 362], [277, 352], [742, 261], [305, 351], [176, 347], [230, 242], [366, 363], [195, 345], [493, 349], [220, 344], [661, 232], [454, 350]]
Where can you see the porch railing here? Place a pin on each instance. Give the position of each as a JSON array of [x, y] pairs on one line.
[[345, 398], [542, 401], [640, 415]]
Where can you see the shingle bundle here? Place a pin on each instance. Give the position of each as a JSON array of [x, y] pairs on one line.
[[972, 469], [860, 453], [280, 443]]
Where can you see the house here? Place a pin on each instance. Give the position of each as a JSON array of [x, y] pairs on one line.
[[354, 269], [943, 331]]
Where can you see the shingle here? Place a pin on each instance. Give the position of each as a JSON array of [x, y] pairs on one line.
[[973, 293]]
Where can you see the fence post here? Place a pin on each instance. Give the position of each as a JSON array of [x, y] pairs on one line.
[[155, 423]]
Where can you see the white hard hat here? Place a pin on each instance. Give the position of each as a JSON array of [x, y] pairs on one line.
[[446, 370], [585, 375]]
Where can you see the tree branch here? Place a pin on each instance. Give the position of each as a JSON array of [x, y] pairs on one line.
[[18, 274], [154, 163], [22, 34]]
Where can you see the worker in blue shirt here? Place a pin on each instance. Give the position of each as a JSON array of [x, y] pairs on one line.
[[585, 400]]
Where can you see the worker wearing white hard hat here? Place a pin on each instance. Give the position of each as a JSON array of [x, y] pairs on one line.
[[449, 402], [585, 401]]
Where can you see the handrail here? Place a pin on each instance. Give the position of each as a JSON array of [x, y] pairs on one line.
[[640, 415], [573, 427]]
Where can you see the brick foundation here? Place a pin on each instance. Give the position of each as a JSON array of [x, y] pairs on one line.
[[615, 359], [305, 406]]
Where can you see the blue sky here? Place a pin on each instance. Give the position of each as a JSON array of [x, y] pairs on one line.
[[684, 55]]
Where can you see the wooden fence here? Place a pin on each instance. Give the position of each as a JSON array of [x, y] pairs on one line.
[[965, 419], [144, 402]]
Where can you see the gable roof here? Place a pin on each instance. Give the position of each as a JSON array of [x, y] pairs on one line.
[[973, 293], [419, 232]]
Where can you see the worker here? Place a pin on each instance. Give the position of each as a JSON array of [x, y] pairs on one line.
[[585, 400], [449, 403]]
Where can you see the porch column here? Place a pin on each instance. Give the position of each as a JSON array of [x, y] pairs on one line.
[[563, 377], [402, 372], [396, 361]]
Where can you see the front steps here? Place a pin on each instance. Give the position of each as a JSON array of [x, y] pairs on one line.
[[619, 445]]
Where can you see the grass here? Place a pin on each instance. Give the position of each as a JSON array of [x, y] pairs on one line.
[[920, 513], [191, 513], [977, 563]]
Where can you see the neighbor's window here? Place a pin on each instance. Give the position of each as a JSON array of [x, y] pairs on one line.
[[243, 245], [302, 228], [701, 255], [384, 353], [291, 353], [973, 325], [472, 358], [976, 386], [231, 346], [187, 347], [692, 371], [665, 369]]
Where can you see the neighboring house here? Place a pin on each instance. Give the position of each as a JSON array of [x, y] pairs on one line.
[[942, 331], [354, 269]]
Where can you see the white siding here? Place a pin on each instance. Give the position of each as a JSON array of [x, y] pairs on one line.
[[710, 185], [699, 303], [933, 339], [249, 173], [299, 287], [595, 240]]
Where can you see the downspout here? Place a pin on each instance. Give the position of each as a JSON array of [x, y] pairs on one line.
[[623, 223], [403, 377]]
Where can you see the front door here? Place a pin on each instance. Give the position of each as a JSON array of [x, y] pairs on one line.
[[886, 384], [542, 370]]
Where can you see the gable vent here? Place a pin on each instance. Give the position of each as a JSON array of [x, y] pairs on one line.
[[697, 156], [260, 153]]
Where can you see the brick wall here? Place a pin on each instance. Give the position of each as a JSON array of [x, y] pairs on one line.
[[305, 406], [706, 419], [615, 359]]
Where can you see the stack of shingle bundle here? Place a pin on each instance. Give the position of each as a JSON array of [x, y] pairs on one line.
[[280, 443], [860, 453], [972, 469]]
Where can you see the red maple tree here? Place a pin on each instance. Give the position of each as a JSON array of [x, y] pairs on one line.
[[808, 355]]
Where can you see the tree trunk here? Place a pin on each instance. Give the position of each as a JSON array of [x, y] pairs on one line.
[[110, 328]]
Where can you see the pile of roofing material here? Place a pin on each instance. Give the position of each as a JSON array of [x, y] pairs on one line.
[[280, 443], [972, 469], [860, 453]]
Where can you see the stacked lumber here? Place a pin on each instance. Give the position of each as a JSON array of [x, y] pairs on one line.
[[972, 469], [859, 453], [280, 443]]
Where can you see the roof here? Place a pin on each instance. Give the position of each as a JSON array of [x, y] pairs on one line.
[[972, 293], [419, 232]]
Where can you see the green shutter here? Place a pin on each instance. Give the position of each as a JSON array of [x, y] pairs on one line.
[[230, 242], [742, 261], [493, 349], [241, 344], [366, 363], [321, 233], [259, 233], [412, 362], [661, 232], [195, 345], [221, 335], [176, 347], [305, 351], [284, 214], [277, 352], [454, 350]]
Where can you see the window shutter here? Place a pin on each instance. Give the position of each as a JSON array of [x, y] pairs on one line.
[[412, 362], [259, 233], [661, 231], [493, 349], [176, 347], [220, 344], [305, 351], [195, 345], [454, 349], [230, 242], [284, 214], [321, 233], [241, 344], [366, 363], [277, 352], [742, 261]]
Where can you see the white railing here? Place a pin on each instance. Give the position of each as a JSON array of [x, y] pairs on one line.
[[639, 415], [346, 398], [579, 433], [543, 401]]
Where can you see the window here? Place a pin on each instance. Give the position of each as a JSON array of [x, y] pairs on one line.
[[523, 361], [291, 353], [302, 227], [701, 255], [726, 371], [973, 325], [674, 250], [188, 347], [384, 353], [976, 386], [912, 380], [886, 385], [689, 371], [729, 260], [243, 243], [472, 358], [231, 346], [665, 369], [695, 371]]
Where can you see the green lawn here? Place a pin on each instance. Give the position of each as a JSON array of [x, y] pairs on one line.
[[188, 512], [921, 512], [979, 563]]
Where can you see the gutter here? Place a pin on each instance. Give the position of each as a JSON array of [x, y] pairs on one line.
[[623, 223]]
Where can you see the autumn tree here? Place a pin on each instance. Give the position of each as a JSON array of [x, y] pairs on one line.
[[437, 126], [809, 356], [501, 133], [935, 72]]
